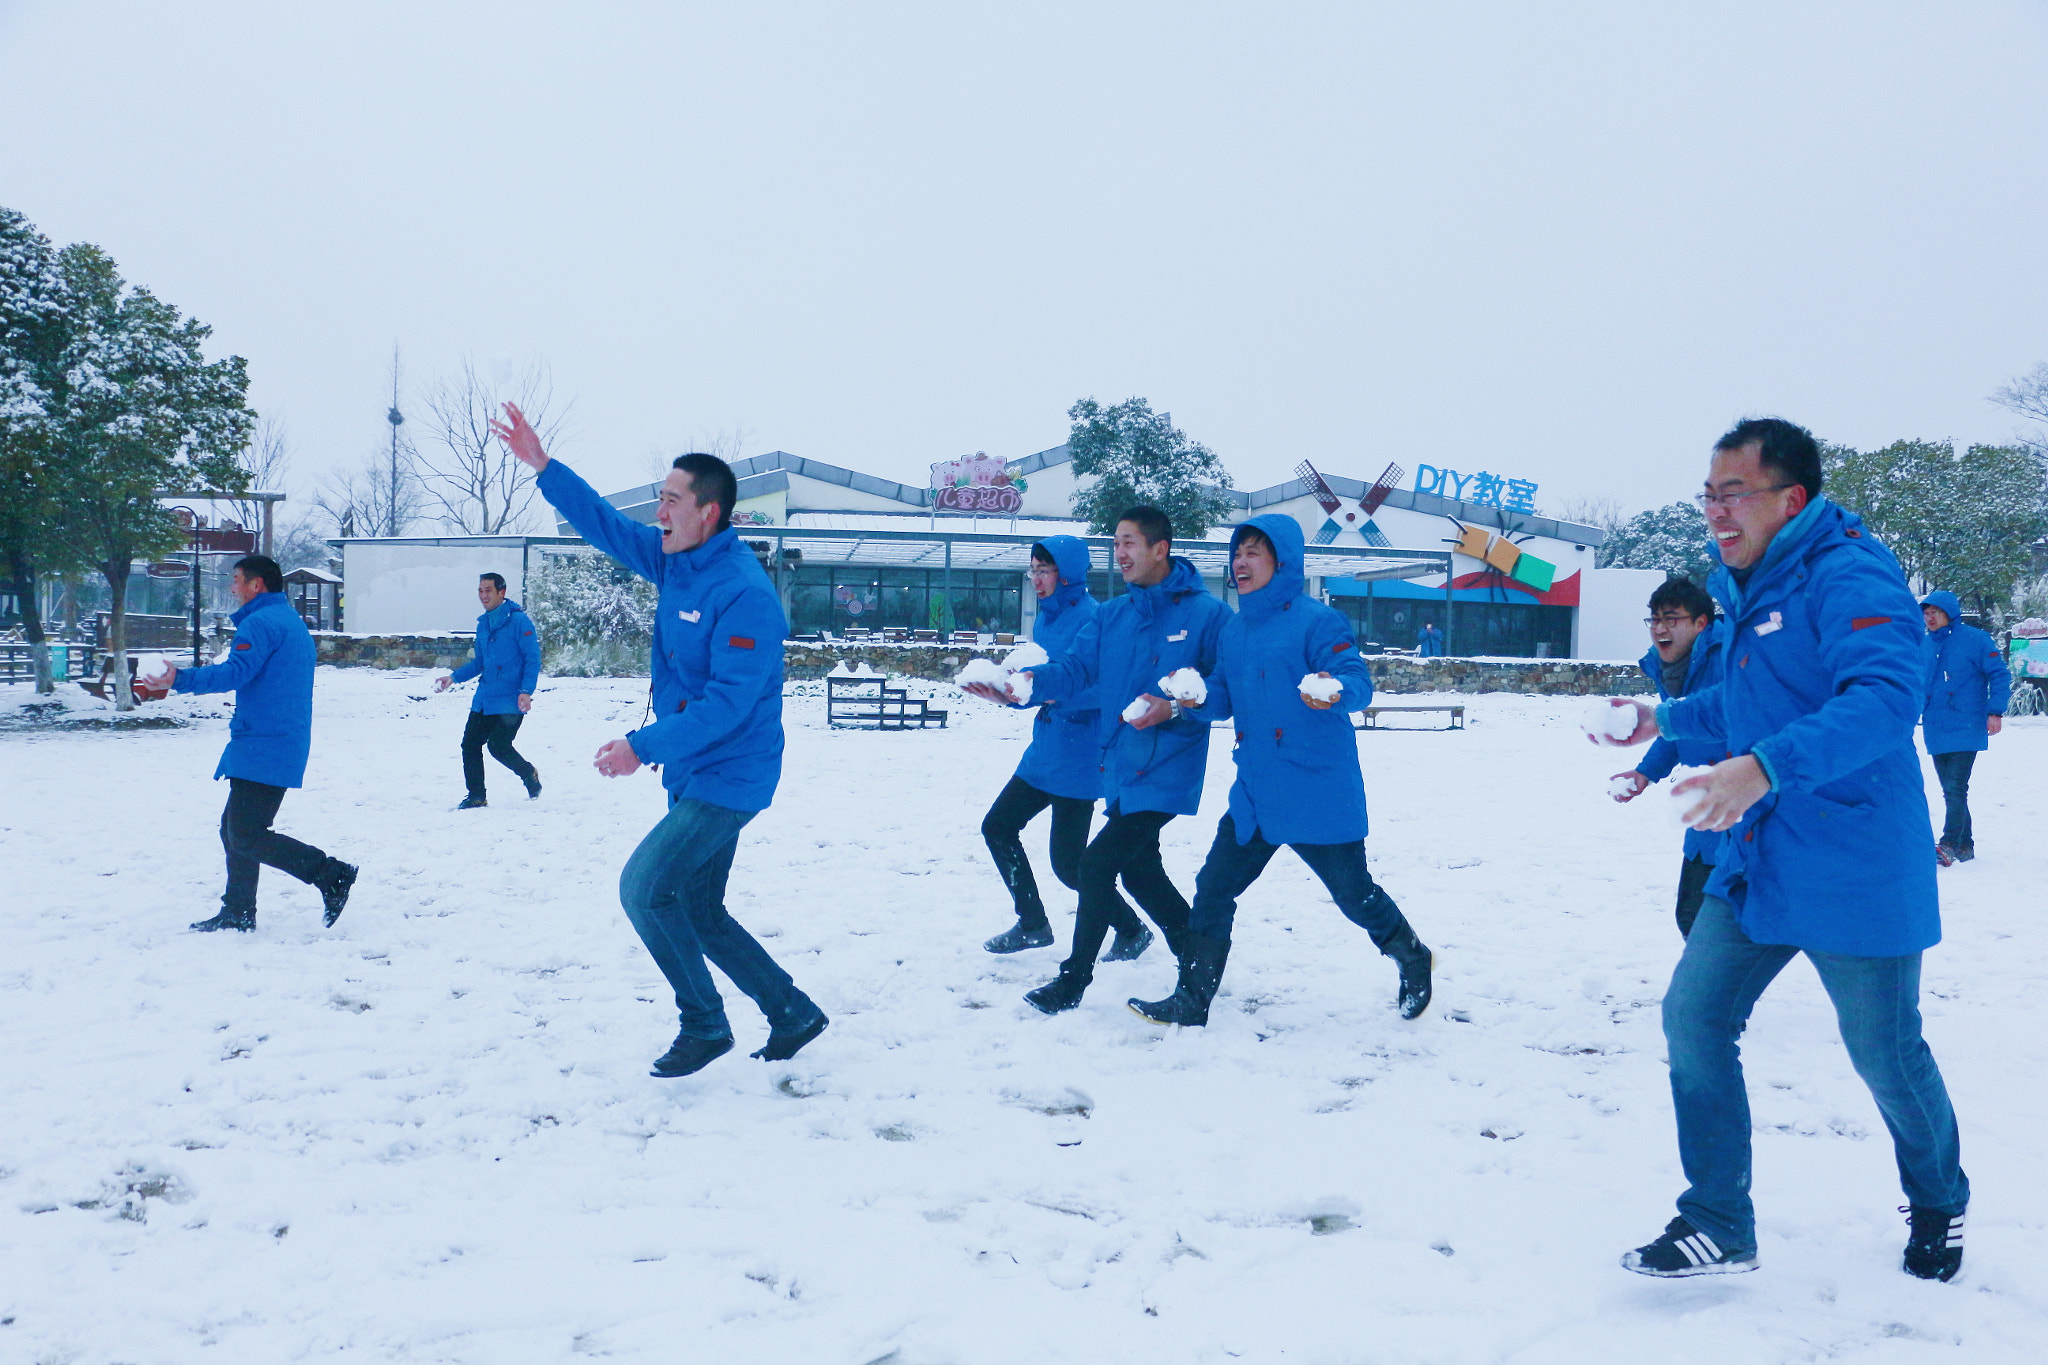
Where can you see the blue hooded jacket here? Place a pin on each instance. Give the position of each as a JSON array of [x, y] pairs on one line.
[[718, 633], [1703, 671], [507, 658], [1298, 780], [270, 671], [1122, 652], [1065, 758], [1429, 643], [1967, 681], [1822, 681]]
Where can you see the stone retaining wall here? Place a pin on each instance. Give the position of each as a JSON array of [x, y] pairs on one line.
[[393, 651]]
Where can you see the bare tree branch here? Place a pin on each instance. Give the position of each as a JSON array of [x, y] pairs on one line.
[[466, 471]]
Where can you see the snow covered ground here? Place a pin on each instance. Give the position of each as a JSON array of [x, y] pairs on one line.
[[429, 1135]]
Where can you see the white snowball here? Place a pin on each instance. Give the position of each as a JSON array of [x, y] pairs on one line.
[[1186, 686], [1621, 786], [983, 671], [1137, 709], [1020, 687], [1026, 656], [1604, 720], [1680, 806], [1322, 689]]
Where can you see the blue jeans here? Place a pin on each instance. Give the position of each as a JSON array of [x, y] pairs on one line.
[[1876, 1000], [1954, 772], [673, 890], [1231, 867]]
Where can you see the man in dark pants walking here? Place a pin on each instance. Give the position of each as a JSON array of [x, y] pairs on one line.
[[1968, 688], [1684, 657], [1153, 757], [507, 668], [1826, 852], [270, 671], [716, 736]]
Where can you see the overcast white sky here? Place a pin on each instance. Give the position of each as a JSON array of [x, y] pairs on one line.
[[1567, 242]]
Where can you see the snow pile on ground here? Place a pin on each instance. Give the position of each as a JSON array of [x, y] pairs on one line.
[[428, 1134]]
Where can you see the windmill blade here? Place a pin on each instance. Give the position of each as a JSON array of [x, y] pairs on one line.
[[1389, 478], [1329, 501]]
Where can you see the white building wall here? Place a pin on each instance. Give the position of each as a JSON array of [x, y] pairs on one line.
[[409, 589], [1612, 606]]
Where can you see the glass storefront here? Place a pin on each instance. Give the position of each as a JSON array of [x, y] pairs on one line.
[[1498, 629], [833, 597]]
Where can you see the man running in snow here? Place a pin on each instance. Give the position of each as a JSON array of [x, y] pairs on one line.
[[1826, 854], [507, 662], [1968, 687], [716, 736], [1152, 765], [1685, 657], [1061, 769], [1298, 781], [270, 671]]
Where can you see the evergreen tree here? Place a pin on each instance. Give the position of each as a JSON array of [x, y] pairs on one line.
[[1134, 455], [1674, 539], [595, 619]]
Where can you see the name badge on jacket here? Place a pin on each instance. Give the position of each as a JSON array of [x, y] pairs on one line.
[[1176, 638], [1776, 623], [691, 616]]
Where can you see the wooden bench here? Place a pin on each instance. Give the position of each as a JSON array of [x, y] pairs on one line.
[[871, 704], [1368, 718]]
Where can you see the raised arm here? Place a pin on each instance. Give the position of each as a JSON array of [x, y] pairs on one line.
[[253, 648], [636, 546]]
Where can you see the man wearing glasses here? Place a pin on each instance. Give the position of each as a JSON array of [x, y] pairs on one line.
[[1826, 848], [1684, 657]]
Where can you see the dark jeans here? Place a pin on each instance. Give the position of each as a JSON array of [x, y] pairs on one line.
[[497, 733], [673, 890], [250, 842], [1126, 846], [1692, 889], [1719, 977], [1954, 772], [1231, 867], [1017, 806]]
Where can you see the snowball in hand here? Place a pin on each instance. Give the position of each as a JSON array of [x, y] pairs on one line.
[[1322, 689], [995, 675], [1605, 721], [1026, 656], [1619, 787], [1185, 686], [1135, 712], [1682, 806]]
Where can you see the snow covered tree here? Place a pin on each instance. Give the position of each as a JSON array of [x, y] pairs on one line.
[[2028, 396], [137, 410], [1673, 538], [1131, 455], [596, 620]]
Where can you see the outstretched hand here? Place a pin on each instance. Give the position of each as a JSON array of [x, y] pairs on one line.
[[1158, 711], [1646, 725], [989, 692], [617, 759], [520, 438], [1637, 785], [1727, 789]]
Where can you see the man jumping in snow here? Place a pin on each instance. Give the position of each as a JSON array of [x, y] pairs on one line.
[[507, 668], [717, 736], [1152, 762], [1826, 851], [1298, 781], [270, 671]]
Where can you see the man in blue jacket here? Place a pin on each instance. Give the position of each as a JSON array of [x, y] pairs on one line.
[[1429, 642], [1061, 769], [1684, 657], [270, 671], [1298, 781], [507, 665], [1826, 816], [716, 736], [1968, 688], [1152, 766]]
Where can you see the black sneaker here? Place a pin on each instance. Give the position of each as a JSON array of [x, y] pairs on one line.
[[1017, 938], [1685, 1250], [689, 1054], [533, 786], [1934, 1248], [780, 1047], [472, 803], [1963, 852], [1128, 947], [1061, 993], [243, 920], [334, 889]]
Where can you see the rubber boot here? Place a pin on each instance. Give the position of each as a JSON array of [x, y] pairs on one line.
[[1063, 992], [1201, 972]]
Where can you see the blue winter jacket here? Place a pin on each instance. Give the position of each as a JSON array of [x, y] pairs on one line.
[[718, 633], [1702, 672], [1822, 681], [507, 658], [1065, 758], [1297, 768], [1122, 653], [270, 671], [1429, 643], [1967, 681]]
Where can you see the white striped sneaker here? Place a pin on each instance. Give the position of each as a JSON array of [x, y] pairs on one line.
[[1934, 1249], [1685, 1250]]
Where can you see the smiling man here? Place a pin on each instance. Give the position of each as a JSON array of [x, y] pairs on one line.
[[716, 735], [507, 668], [1825, 854]]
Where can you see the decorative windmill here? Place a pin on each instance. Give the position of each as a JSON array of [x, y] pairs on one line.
[[1328, 500]]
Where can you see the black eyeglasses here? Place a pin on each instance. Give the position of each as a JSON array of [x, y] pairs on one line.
[[1655, 621], [1708, 501]]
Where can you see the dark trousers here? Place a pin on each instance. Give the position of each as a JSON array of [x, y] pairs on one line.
[[1954, 772], [1231, 867], [1126, 846], [250, 842], [494, 732], [1017, 806], [1692, 889]]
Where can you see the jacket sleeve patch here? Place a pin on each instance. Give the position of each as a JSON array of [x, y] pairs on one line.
[[1866, 622], [241, 644], [1340, 646], [740, 642]]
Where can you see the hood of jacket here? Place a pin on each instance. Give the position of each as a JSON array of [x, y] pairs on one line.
[[1182, 577], [1287, 583], [1946, 601], [1069, 554]]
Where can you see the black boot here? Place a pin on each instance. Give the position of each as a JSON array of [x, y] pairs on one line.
[[471, 802], [1063, 992], [1018, 937], [1201, 972], [533, 785], [244, 920], [334, 889], [689, 1054], [1416, 962], [1129, 947]]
